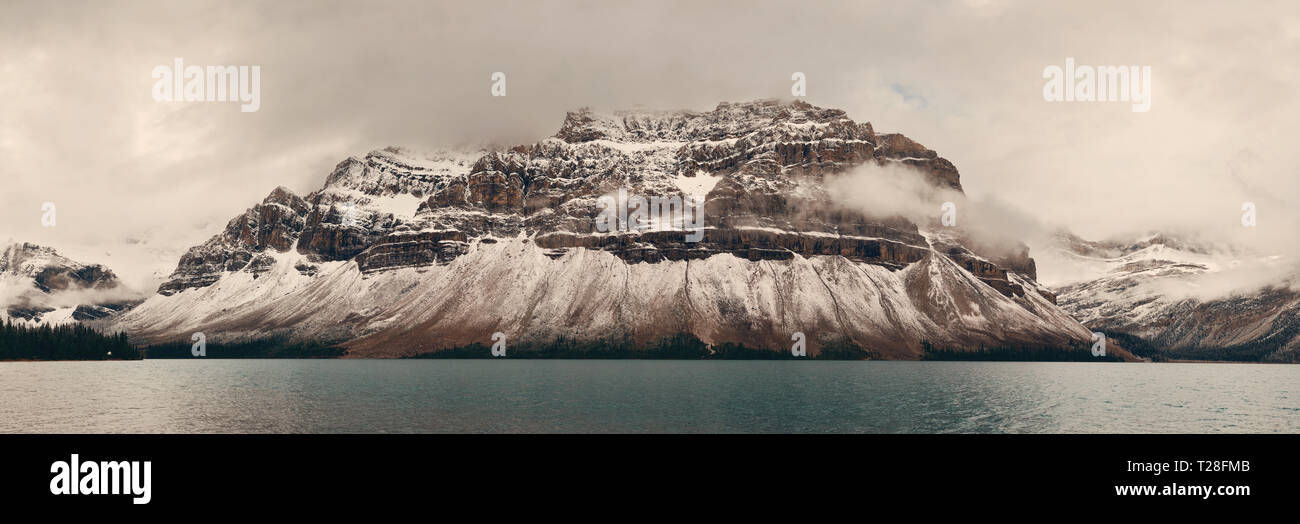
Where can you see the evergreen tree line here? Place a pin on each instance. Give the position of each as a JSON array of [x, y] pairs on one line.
[[66, 342], [1269, 349], [682, 346], [1017, 353]]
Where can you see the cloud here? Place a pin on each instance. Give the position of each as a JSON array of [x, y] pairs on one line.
[[890, 190], [992, 226], [1240, 277], [78, 125]]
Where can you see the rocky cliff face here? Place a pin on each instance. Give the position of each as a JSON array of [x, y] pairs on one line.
[[1180, 298], [50, 271], [402, 252], [363, 201], [40, 286]]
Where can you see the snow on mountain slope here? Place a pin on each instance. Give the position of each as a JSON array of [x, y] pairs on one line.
[[1185, 299], [505, 241], [1067, 259], [512, 286], [38, 286], [393, 180]]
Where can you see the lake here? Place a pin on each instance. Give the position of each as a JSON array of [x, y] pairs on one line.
[[600, 396]]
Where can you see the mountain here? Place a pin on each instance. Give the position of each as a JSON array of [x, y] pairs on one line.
[[40, 286], [403, 253], [1171, 296]]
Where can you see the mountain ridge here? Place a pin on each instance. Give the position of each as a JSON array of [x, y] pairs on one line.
[[1186, 298], [39, 286], [775, 256]]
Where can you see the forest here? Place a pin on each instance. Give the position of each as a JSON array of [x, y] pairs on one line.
[[67, 342]]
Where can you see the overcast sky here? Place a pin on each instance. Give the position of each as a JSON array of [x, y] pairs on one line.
[[79, 127]]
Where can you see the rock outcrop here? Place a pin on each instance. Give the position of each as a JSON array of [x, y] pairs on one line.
[[1172, 297], [759, 170], [40, 286]]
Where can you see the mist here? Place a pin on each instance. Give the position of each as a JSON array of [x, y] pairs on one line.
[[899, 190]]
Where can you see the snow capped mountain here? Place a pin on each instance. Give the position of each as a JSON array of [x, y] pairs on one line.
[[50, 271], [1181, 297], [40, 286], [402, 253]]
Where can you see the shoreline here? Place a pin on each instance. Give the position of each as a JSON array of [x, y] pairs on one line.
[[725, 359]]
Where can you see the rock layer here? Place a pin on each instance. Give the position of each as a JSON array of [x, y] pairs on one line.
[[396, 223]]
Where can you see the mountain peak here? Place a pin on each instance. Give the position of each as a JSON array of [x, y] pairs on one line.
[[521, 221], [280, 195], [33, 273], [729, 120]]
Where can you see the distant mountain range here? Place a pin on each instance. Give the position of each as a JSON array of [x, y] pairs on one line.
[[405, 253], [1174, 297], [39, 286]]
